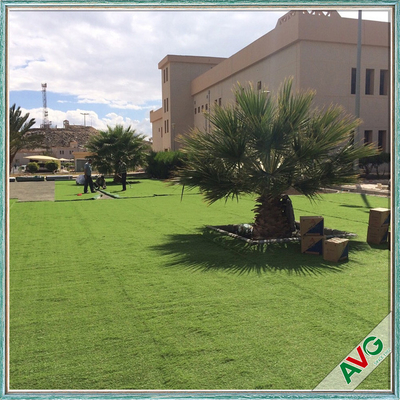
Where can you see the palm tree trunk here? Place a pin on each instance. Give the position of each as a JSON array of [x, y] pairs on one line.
[[274, 217]]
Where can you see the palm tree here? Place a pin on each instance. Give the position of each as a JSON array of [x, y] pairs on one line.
[[20, 137], [114, 144], [265, 146]]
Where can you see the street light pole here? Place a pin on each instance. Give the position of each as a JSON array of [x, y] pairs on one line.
[[357, 141], [358, 77]]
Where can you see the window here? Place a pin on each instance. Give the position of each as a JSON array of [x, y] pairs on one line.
[[195, 110], [353, 80], [382, 140], [202, 108], [259, 85], [384, 82], [220, 101], [166, 105], [165, 75], [206, 107], [369, 81], [367, 137]]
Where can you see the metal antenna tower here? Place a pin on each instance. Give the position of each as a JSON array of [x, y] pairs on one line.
[[46, 123], [84, 118]]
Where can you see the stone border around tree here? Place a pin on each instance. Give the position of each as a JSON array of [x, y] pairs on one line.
[[229, 230]]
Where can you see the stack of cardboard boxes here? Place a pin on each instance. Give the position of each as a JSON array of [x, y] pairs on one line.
[[336, 249], [378, 226], [312, 235], [313, 240]]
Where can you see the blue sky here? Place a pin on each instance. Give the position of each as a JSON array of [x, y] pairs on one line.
[[104, 62]]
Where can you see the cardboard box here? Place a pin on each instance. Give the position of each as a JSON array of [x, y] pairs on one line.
[[312, 244], [379, 217], [336, 249], [377, 235], [311, 226]]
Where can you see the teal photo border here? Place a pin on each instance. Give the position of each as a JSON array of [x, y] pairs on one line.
[[395, 254]]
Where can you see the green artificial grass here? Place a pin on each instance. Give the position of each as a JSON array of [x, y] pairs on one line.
[[134, 293]]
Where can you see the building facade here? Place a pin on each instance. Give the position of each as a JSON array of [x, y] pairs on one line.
[[317, 49]]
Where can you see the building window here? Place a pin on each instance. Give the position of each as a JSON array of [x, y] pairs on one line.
[[202, 108], [206, 107], [369, 81], [161, 131], [165, 75], [353, 80], [259, 85], [382, 140], [367, 137], [166, 105], [195, 110], [384, 82], [220, 101], [198, 109]]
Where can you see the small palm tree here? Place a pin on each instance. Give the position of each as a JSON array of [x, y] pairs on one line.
[[20, 137], [265, 146], [116, 144]]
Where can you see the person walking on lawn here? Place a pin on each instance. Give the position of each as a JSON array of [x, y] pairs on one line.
[[122, 173], [88, 177]]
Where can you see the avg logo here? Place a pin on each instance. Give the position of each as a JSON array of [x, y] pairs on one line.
[[361, 361], [352, 365]]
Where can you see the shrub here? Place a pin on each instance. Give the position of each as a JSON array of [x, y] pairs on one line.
[[32, 167], [161, 165], [51, 166], [374, 162]]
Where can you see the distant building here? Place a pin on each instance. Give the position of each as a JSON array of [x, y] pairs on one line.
[[62, 143], [318, 49]]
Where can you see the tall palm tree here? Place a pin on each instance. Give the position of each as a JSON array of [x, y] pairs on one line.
[[116, 144], [20, 137], [263, 145]]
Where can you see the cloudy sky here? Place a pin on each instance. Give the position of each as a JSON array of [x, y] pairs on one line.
[[104, 62]]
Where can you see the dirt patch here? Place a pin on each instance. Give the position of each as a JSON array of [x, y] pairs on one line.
[[32, 191]]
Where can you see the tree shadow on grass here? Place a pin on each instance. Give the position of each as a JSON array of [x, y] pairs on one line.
[[209, 251]]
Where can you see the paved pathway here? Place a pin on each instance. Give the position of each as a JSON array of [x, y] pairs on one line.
[[32, 191]]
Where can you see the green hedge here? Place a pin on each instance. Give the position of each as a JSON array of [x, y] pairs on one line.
[[373, 162], [51, 166], [161, 165], [32, 167]]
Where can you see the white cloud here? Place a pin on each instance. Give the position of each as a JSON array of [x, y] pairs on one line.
[[111, 57]]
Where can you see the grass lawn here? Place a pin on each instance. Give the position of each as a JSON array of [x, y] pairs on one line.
[[134, 293]]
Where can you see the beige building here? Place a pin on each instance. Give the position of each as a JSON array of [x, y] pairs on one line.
[[318, 49]]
